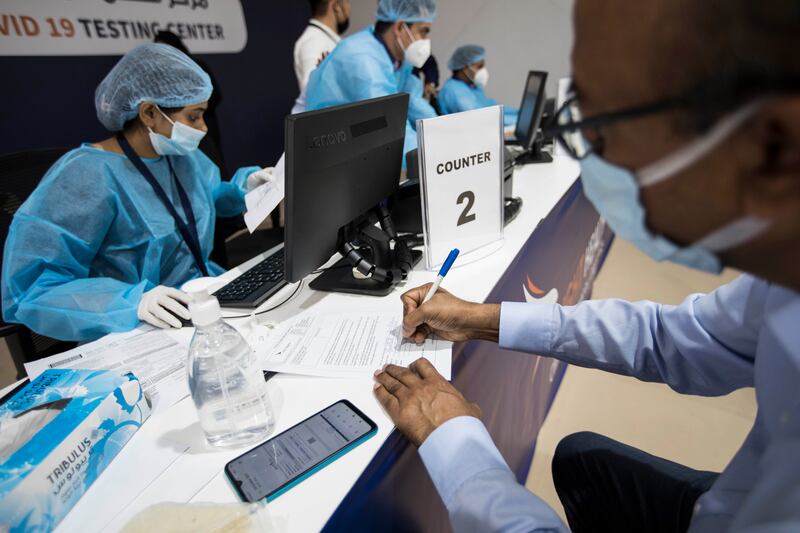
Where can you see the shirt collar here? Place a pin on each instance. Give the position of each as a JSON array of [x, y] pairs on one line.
[[329, 32]]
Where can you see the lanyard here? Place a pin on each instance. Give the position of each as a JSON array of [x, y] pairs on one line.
[[188, 232], [328, 35]]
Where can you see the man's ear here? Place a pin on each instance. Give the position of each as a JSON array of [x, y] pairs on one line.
[[148, 114], [772, 188], [398, 32]]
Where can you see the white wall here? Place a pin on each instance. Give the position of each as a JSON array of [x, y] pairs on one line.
[[519, 35]]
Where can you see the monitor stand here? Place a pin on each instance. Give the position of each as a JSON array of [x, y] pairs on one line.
[[364, 244], [340, 278], [535, 156]]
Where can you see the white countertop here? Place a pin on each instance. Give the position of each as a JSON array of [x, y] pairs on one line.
[[173, 441]]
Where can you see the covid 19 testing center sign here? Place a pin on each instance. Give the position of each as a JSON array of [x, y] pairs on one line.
[[112, 27]]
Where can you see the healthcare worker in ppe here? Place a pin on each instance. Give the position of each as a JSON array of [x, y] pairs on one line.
[[379, 61], [465, 90], [115, 226]]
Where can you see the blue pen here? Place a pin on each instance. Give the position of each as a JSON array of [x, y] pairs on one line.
[[442, 273]]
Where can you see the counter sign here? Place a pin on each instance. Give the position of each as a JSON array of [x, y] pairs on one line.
[[461, 166]]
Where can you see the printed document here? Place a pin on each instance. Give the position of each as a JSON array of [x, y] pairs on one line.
[[262, 200], [158, 360], [347, 345]]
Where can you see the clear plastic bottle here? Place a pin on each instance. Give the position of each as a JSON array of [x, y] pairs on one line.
[[225, 380]]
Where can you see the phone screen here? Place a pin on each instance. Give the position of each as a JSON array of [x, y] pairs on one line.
[[266, 470]]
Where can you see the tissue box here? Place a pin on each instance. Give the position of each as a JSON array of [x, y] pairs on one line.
[[56, 436]]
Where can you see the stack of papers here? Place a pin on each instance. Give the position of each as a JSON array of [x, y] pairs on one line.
[[155, 358], [347, 345]]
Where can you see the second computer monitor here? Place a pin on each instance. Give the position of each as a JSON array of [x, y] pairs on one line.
[[340, 163], [531, 109]]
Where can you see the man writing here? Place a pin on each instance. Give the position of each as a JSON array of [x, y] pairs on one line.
[[695, 161]]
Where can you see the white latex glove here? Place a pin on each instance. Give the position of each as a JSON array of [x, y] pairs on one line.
[[260, 177], [161, 305]]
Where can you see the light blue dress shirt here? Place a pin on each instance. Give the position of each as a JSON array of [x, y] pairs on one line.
[[745, 334]]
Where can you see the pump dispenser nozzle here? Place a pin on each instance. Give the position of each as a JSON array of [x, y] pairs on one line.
[[204, 308]]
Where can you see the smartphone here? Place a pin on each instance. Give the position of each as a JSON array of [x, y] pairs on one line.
[[272, 468]]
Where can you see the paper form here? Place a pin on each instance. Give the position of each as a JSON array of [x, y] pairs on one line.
[[262, 200], [155, 358], [347, 345]]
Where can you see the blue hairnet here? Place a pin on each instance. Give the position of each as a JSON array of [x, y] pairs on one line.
[[406, 10], [155, 73], [468, 54]]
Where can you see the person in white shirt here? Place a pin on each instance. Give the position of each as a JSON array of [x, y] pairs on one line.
[[330, 20]]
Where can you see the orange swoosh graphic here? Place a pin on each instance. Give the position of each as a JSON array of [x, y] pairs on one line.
[[535, 291]]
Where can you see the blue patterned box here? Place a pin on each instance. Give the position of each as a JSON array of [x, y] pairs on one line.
[[56, 436]]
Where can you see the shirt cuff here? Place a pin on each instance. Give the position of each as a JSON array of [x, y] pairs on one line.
[[456, 451], [528, 327]]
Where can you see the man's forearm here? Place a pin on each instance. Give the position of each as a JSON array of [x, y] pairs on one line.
[[649, 341], [485, 322]]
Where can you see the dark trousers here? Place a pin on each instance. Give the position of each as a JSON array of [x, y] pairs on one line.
[[605, 485]]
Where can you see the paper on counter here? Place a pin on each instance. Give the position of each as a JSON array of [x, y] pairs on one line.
[[347, 345], [155, 358], [262, 200]]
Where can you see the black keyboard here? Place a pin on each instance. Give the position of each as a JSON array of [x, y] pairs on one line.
[[255, 286]]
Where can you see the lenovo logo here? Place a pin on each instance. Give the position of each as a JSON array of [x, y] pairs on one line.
[[331, 139]]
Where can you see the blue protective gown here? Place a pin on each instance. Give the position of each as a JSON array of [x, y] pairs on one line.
[[457, 96], [93, 237], [360, 68]]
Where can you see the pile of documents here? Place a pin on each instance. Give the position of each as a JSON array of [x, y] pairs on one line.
[[347, 345], [154, 357]]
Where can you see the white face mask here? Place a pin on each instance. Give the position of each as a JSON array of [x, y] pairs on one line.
[[418, 51], [615, 193], [183, 140], [481, 78]]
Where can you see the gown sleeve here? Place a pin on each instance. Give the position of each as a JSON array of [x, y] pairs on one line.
[[52, 241]]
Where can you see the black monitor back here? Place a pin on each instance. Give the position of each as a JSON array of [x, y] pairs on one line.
[[340, 163], [531, 108]]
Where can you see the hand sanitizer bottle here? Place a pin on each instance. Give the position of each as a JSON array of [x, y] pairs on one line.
[[225, 380]]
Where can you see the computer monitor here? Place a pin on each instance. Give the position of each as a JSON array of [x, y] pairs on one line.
[[531, 109], [342, 163]]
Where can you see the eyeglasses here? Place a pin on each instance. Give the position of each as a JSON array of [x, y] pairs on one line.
[[708, 101], [567, 126]]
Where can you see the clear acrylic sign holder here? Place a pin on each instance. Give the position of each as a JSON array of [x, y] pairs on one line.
[[461, 181]]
